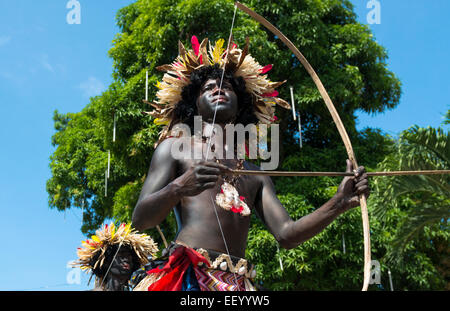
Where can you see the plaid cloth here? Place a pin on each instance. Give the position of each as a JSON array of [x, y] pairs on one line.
[[180, 271]]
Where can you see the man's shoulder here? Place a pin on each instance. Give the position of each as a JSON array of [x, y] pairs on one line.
[[253, 167], [175, 146], [164, 149], [165, 146]]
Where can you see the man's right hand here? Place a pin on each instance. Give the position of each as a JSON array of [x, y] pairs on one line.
[[200, 176]]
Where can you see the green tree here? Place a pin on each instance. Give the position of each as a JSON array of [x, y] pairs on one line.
[[350, 63], [409, 225], [417, 149], [422, 201]]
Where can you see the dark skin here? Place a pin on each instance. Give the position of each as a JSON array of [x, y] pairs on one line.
[[120, 271], [191, 187]]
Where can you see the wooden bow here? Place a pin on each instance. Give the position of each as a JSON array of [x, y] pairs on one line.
[[337, 121]]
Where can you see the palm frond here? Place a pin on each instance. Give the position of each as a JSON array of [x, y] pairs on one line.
[[410, 227], [428, 196]]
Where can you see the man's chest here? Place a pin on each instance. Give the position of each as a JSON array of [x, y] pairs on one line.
[[247, 186]]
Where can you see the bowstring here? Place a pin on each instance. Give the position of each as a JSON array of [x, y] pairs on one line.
[[209, 143]]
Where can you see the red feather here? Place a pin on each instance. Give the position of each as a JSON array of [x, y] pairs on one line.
[[195, 44], [265, 69], [273, 94]]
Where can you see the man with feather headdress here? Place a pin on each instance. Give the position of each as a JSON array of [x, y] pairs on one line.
[[224, 86], [113, 254]]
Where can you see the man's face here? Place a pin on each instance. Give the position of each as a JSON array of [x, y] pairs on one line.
[[122, 265], [225, 99]]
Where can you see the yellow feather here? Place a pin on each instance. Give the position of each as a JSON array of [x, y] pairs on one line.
[[218, 50], [113, 230], [128, 229], [95, 238], [159, 121]]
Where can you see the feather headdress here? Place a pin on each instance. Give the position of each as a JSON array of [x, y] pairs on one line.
[[239, 62], [142, 244]]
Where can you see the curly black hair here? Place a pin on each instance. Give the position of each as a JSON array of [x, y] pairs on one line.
[[186, 108], [100, 270]]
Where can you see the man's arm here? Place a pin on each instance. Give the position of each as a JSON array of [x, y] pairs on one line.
[[158, 195], [291, 233]]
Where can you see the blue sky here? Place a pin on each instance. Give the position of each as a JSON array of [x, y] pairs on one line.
[[414, 34], [47, 64]]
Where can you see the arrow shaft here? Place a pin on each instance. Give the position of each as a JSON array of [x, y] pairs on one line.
[[338, 174]]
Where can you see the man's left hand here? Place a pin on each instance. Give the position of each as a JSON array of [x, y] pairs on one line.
[[352, 187]]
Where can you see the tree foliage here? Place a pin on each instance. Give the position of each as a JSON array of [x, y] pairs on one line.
[[421, 201], [352, 66]]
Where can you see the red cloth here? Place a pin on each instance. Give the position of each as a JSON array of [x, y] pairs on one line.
[[175, 268]]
